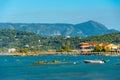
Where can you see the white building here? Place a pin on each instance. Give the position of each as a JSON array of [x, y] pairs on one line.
[[10, 50]]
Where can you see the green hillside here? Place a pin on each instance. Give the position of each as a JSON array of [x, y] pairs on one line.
[[17, 39], [34, 42], [107, 38]]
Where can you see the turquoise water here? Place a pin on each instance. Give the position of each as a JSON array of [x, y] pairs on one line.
[[22, 68]]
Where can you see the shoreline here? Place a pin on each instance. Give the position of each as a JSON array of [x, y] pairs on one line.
[[60, 53]]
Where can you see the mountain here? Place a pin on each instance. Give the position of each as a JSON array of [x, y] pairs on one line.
[[88, 28]]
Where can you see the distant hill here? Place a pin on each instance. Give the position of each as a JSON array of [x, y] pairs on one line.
[[20, 39], [92, 28], [85, 29], [106, 38], [17, 39]]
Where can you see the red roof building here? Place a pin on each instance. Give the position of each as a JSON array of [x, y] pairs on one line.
[[86, 47]]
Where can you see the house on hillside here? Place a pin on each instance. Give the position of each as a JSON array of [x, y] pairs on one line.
[[92, 44], [11, 50], [86, 47], [111, 47], [114, 48]]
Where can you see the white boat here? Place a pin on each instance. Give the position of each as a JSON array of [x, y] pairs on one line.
[[94, 61]]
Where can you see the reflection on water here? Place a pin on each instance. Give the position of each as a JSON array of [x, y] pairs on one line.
[[22, 68]]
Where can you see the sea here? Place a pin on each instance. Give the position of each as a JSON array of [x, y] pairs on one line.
[[23, 68]]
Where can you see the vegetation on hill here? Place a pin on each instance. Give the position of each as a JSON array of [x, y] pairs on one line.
[[25, 41], [17, 39], [34, 42], [107, 38]]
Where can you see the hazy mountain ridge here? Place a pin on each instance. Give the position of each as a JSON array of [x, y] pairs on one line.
[[88, 28]]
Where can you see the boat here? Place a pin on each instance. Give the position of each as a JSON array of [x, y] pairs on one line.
[[94, 61]]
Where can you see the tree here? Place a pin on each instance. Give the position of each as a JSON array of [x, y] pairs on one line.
[[107, 49], [98, 48], [66, 48], [24, 50]]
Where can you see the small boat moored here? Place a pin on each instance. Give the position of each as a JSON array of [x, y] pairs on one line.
[[94, 61]]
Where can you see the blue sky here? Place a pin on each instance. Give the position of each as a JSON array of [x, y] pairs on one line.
[[61, 11]]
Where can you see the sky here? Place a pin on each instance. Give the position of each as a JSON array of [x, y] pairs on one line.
[[106, 12]]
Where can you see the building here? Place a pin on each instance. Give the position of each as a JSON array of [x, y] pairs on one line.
[[111, 47], [11, 50], [87, 47], [114, 48]]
